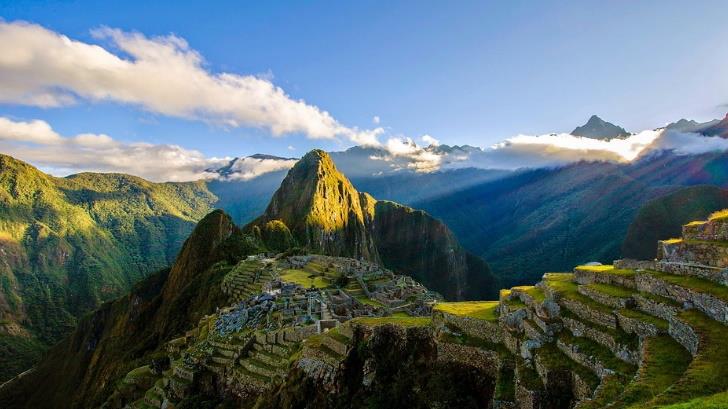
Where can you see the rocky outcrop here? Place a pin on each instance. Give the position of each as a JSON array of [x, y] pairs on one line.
[[325, 214]]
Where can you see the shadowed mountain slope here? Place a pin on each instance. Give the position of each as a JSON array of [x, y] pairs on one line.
[[550, 219], [664, 217], [325, 214]]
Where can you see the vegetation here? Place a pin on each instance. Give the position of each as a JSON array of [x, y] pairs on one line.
[[484, 310], [664, 362], [607, 269], [304, 278], [612, 290], [664, 217], [399, 321], [707, 373], [73, 243], [698, 284]]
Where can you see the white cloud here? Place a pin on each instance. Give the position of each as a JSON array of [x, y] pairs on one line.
[[164, 75], [376, 120], [688, 143], [291, 148], [429, 140], [36, 142], [249, 168]]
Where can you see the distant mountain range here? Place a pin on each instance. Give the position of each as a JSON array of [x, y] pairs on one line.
[[716, 127], [597, 128]]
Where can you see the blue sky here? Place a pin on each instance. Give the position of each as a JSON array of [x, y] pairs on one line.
[[465, 72]]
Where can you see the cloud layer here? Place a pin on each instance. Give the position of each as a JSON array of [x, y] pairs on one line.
[[39, 67], [36, 142]]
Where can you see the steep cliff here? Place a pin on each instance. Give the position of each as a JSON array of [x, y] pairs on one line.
[[80, 371], [326, 214], [322, 209]]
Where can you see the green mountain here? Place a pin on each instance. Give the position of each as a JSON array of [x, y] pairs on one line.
[[69, 244], [664, 217], [544, 220], [326, 214], [224, 329]]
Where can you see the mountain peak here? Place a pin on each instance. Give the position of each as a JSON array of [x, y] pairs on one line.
[[322, 209], [597, 128]]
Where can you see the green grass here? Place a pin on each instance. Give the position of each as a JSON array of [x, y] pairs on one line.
[[368, 301], [505, 387], [533, 291], [554, 359], [484, 310], [401, 314], [672, 241], [528, 376], [644, 317], [707, 374], [400, 321], [608, 269], [664, 362], [304, 278], [562, 284], [717, 401], [622, 338], [699, 284], [719, 215], [600, 352], [611, 290]]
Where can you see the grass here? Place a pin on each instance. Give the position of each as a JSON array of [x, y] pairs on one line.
[[554, 359], [533, 291], [505, 387], [607, 269], [641, 316], [719, 215], [672, 241], [708, 242], [611, 290], [368, 301], [707, 374], [621, 337], [400, 321], [717, 401], [562, 284], [600, 352], [664, 362], [401, 314], [699, 284], [528, 376], [484, 310], [304, 278]]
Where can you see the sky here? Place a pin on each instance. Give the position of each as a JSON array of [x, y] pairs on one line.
[[189, 81]]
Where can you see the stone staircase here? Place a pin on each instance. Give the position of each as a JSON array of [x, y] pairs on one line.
[[245, 280]]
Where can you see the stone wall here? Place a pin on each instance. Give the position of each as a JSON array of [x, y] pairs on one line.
[[638, 327], [572, 351], [630, 264], [655, 308], [590, 314], [484, 360], [621, 351], [589, 277], [714, 230], [685, 335], [614, 302], [489, 331], [717, 274], [705, 253], [711, 306]]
